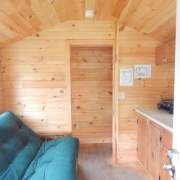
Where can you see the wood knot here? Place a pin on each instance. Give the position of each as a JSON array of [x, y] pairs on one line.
[[61, 91], [109, 92]]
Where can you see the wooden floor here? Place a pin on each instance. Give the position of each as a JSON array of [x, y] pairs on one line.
[[95, 164]]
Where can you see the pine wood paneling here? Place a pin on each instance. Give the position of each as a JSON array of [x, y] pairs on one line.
[[143, 141], [91, 76], [153, 144], [165, 53], [155, 18], [166, 144], [154, 150], [36, 91], [35, 74], [22, 18], [35, 78], [136, 48]]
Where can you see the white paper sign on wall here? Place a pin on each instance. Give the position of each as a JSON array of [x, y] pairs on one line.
[[126, 77], [142, 71]]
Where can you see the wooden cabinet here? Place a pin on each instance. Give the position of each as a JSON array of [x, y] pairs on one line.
[[153, 144], [165, 53], [166, 143], [154, 150], [164, 160], [142, 141]]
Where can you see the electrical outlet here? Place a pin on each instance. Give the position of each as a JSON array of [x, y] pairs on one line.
[[121, 95]]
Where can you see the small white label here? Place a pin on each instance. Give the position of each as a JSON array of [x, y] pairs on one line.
[[121, 95], [126, 77], [142, 71]]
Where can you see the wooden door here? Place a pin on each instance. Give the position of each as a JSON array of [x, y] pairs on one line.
[[143, 141], [91, 76], [154, 152]]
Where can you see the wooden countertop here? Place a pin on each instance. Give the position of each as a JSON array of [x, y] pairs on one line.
[[160, 117]]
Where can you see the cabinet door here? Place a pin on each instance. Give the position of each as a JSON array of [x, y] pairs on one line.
[[166, 144], [164, 160], [142, 141], [166, 138], [154, 153]]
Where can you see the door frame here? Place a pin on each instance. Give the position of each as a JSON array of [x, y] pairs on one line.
[[115, 71]]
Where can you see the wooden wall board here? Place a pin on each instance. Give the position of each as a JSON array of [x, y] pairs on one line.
[[22, 18], [36, 78], [91, 78], [154, 18], [36, 74], [136, 48]]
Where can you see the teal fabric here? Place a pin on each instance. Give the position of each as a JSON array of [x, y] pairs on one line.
[[24, 156], [57, 159], [18, 147]]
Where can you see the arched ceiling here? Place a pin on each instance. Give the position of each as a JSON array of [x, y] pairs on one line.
[[21, 18]]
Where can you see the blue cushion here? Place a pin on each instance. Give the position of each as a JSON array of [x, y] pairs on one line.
[[26, 157], [57, 159], [18, 146]]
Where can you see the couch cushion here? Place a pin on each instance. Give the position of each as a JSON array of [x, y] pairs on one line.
[[18, 146], [57, 159]]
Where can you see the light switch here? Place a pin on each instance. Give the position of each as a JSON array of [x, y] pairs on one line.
[[121, 95]]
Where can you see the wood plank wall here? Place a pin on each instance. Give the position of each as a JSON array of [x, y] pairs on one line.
[[35, 74], [35, 86], [136, 48], [91, 75]]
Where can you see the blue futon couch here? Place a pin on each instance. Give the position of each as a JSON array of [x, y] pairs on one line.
[[25, 156]]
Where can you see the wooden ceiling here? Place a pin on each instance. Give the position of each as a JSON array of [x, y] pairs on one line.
[[21, 18], [156, 18]]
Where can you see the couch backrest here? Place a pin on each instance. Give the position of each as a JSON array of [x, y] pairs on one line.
[[18, 146]]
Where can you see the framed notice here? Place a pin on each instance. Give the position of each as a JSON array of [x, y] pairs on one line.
[[126, 77], [142, 71]]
